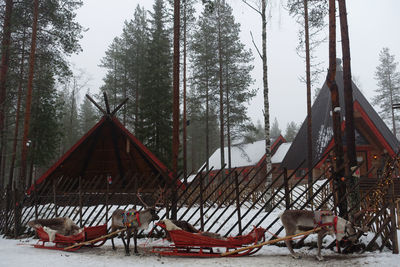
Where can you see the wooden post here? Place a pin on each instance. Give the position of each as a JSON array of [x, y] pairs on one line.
[[398, 213], [201, 203], [8, 201], [135, 189], [393, 228], [35, 192], [80, 202], [54, 198], [238, 202], [286, 182], [15, 203], [107, 192]]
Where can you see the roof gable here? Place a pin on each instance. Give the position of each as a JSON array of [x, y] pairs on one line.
[[108, 148], [322, 131]]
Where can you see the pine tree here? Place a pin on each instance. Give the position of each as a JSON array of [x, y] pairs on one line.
[[136, 37], [87, 115], [156, 103], [204, 80], [388, 92], [114, 80], [275, 131], [291, 131]]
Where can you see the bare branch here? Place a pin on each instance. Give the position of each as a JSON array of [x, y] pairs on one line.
[[255, 9], [252, 39]]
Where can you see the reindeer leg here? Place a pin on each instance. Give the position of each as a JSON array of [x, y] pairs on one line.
[[288, 243], [112, 242], [128, 240], [135, 240], [321, 235]]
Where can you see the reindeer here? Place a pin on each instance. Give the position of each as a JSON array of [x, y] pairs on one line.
[[60, 225], [133, 221], [297, 221]]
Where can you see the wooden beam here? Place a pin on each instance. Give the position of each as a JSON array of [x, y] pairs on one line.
[[270, 242], [97, 105], [119, 106], [106, 102]]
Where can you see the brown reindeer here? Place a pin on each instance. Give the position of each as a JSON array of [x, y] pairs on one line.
[[133, 221], [60, 225], [297, 221]]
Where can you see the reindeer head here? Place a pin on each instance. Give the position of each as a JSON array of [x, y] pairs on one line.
[[356, 221], [154, 216]]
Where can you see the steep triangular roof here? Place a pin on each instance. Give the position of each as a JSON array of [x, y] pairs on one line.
[[108, 149], [322, 132]]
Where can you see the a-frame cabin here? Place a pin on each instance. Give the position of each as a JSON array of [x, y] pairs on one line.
[[107, 158], [374, 141]]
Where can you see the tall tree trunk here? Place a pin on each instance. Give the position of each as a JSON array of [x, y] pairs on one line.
[[24, 152], [351, 181], [266, 100], [340, 188], [184, 96], [175, 135], [228, 124], [5, 55], [137, 101], [221, 94], [207, 124], [124, 93], [17, 116], [391, 106], [309, 115]]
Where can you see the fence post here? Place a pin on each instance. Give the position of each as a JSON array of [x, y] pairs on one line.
[[201, 203], [15, 204], [286, 184], [7, 209], [80, 202], [35, 192], [108, 181], [238, 202], [54, 197], [393, 228]]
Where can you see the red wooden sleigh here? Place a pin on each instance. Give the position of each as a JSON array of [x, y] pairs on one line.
[[61, 241], [198, 245]]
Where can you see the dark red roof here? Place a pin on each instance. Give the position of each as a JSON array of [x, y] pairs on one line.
[[108, 149]]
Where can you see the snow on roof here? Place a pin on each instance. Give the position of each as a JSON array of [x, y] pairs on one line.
[[280, 153], [246, 155]]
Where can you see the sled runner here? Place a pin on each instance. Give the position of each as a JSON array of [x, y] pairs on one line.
[[201, 245], [91, 236]]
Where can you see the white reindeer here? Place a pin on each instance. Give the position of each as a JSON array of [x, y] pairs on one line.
[[297, 221]]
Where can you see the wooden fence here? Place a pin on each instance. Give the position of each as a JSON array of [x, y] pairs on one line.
[[231, 205]]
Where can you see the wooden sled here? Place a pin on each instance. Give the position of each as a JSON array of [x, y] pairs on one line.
[[62, 242], [199, 245]]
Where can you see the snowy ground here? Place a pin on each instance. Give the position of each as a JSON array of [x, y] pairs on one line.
[[22, 253]]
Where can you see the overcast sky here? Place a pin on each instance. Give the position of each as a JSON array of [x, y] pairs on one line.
[[373, 24]]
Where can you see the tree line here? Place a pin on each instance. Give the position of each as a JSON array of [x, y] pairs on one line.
[[35, 95], [139, 67]]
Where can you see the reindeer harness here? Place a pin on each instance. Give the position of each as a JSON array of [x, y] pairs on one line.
[[126, 221], [318, 220]]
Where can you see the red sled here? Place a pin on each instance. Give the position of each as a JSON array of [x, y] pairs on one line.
[[198, 245], [61, 241]]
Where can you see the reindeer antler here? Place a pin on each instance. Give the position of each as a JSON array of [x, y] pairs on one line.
[[141, 200]]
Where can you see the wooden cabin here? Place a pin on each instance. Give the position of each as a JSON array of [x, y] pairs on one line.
[[374, 140]]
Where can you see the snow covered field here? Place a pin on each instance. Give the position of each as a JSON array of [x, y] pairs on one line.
[[22, 253]]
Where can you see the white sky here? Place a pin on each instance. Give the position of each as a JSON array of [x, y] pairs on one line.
[[373, 24]]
